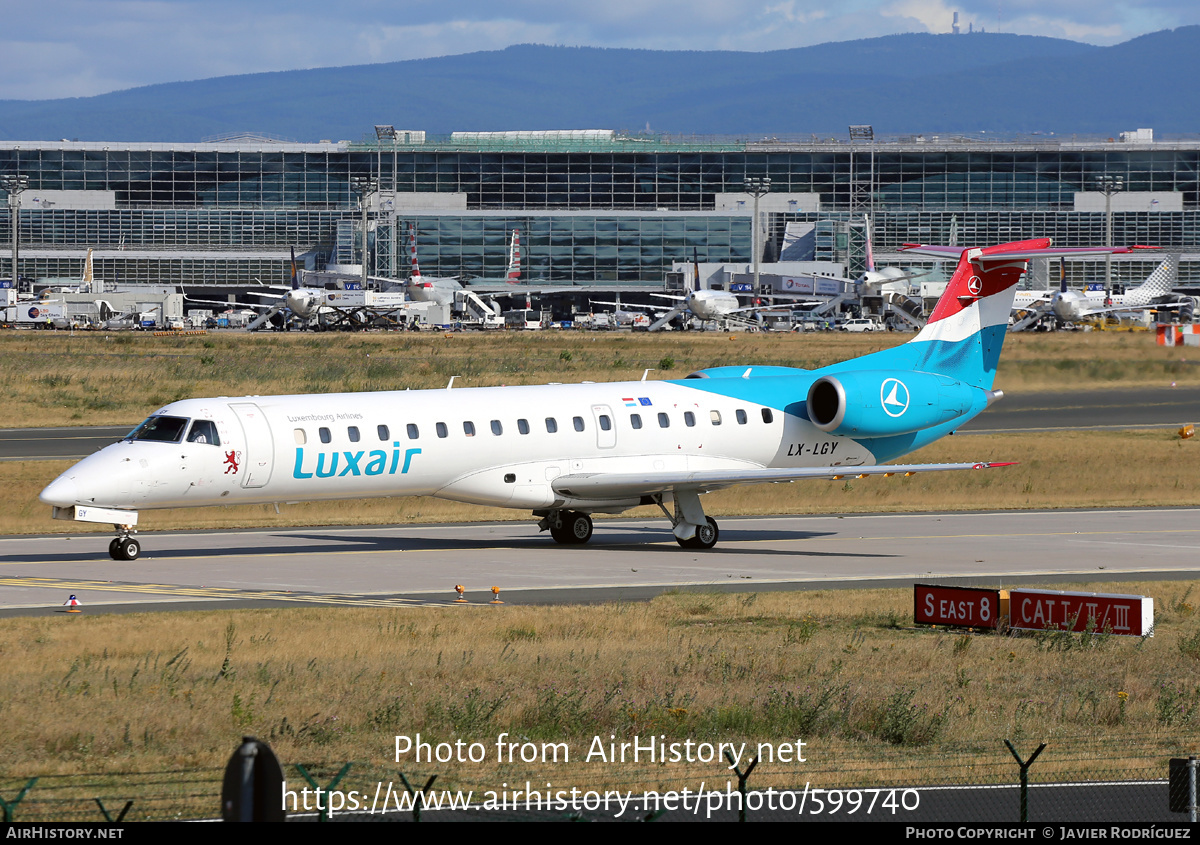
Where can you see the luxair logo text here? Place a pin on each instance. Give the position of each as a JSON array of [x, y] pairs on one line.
[[354, 463]]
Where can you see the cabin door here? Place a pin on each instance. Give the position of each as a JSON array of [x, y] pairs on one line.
[[259, 456]]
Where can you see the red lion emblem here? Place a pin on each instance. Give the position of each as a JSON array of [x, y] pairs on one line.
[[231, 463]]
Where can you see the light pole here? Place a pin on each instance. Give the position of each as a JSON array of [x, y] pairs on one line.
[[15, 185], [757, 187], [862, 199], [1108, 185], [363, 186], [387, 132]]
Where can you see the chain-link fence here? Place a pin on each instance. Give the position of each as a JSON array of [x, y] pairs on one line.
[[1071, 780]]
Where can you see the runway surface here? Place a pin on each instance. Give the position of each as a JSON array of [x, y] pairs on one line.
[[1151, 407], [388, 566]]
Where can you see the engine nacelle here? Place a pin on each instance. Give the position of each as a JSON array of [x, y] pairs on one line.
[[1186, 312], [880, 403]]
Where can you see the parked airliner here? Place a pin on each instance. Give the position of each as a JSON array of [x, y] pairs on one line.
[[566, 452]]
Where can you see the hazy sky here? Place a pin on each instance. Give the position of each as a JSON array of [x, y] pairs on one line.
[[77, 48]]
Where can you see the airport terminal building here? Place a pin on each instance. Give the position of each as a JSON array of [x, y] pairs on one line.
[[593, 207]]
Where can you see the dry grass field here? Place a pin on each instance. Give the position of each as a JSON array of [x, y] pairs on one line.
[[875, 699], [118, 378]]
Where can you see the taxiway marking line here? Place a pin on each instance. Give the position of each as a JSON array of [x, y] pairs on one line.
[[728, 546], [212, 592]]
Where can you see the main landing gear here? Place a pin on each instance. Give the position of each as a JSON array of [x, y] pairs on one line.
[[706, 536], [692, 529], [570, 528], [124, 547]]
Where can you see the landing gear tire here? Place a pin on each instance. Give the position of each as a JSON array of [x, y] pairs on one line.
[[580, 527], [706, 536], [124, 548], [573, 529]]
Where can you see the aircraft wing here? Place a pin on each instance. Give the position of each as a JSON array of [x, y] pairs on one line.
[[952, 253], [237, 305], [626, 485], [497, 294], [624, 305], [1116, 309]]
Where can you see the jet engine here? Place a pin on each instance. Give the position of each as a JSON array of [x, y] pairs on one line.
[[873, 403]]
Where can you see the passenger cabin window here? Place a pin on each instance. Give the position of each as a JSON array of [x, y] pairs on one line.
[[635, 420], [578, 421], [352, 433], [160, 430], [715, 416], [741, 416], [326, 437], [551, 425], [689, 419], [523, 426], [497, 429], [442, 430], [382, 431], [664, 421], [204, 431], [768, 417], [469, 428], [300, 436], [605, 423], [413, 433]]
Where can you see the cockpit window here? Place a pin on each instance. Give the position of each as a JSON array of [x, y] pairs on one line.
[[204, 431], [159, 430]]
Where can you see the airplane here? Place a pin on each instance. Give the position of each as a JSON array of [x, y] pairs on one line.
[[704, 305], [421, 288], [319, 308], [1072, 306], [566, 452], [301, 302]]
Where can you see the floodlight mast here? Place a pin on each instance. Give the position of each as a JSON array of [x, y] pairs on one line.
[[387, 132], [1108, 185], [15, 185], [862, 199], [364, 186], [757, 187]]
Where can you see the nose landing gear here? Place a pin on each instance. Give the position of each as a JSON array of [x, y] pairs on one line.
[[124, 547]]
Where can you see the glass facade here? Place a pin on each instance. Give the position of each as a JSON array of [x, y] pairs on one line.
[[619, 211]]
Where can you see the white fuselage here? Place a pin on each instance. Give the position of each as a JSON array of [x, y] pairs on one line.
[[712, 304], [414, 443], [1073, 305], [439, 290]]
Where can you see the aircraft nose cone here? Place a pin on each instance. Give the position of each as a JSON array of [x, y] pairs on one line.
[[62, 492]]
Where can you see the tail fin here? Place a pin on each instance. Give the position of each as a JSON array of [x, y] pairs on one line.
[[415, 272], [966, 330], [1160, 282], [870, 251], [514, 258], [295, 273], [88, 278]]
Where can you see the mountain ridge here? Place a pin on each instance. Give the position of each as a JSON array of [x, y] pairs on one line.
[[901, 84]]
